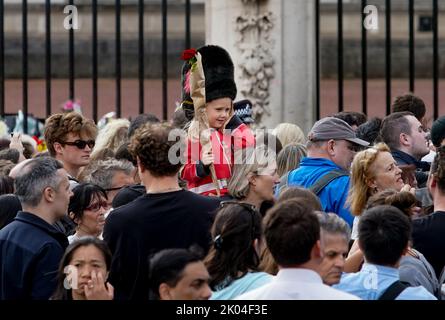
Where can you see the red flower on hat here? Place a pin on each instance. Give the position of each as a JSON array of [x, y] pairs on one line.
[[37, 140], [188, 54]]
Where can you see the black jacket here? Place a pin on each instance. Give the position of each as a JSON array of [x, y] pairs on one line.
[[149, 224], [30, 253]]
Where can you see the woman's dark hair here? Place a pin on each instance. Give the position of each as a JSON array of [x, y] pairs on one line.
[[401, 200], [370, 130], [167, 266], [235, 228], [82, 196], [438, 168], [351, 117], [10, 154], [122, 153], [9, 206], [141, 120], [28, 150], [61, 293], [6, 166], [409, 174], [6, 185]]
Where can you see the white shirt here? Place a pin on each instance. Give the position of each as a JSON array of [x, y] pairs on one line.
[[296, 284], [429, 157], [354, 233]]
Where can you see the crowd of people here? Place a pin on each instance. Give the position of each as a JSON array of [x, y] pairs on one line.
[[206, 207]]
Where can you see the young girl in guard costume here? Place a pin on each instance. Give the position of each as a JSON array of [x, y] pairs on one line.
[[215, 132]]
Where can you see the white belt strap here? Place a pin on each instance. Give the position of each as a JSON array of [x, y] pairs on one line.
[[209, 186]]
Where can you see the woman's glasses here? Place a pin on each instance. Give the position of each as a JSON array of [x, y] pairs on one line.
[[96, 206], [80, 144]]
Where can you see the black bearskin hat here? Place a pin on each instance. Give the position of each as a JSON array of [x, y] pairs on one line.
[[219, 77]]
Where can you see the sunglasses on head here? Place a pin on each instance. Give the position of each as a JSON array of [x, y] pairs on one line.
[[80, 144], [249, 207]]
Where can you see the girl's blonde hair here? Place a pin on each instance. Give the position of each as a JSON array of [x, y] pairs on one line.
[[110, 138], [289, 133], [361, 175], [289, 158]]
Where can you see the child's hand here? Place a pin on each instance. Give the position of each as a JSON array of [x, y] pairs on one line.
[[408, 188], [16, 142], [207, 158]]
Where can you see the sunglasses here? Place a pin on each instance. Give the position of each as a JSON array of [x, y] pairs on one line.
[[96, 206], [80, 144]]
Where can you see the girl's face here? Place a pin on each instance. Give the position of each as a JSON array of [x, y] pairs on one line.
[[86, 259], [218, 112]]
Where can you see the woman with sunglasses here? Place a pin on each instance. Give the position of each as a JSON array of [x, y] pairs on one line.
[[254, 175], [233, 260], [87, 209]]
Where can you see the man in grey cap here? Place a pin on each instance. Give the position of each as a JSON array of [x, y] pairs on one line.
[[331, 146]]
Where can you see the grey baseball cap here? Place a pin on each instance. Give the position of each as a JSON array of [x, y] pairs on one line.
[[333, 128]]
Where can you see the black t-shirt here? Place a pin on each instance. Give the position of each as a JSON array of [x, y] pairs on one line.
[[429, 239], [149, 224]]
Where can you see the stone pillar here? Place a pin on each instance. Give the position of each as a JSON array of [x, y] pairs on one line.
[[272, 44]]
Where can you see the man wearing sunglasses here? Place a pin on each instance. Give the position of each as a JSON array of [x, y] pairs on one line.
[[70, 139]]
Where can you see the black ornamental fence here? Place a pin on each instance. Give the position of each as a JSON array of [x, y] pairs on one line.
[[141, 7], [433, 22], [48, 5]]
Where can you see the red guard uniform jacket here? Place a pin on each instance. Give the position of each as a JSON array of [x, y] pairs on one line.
[[199, 180]]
